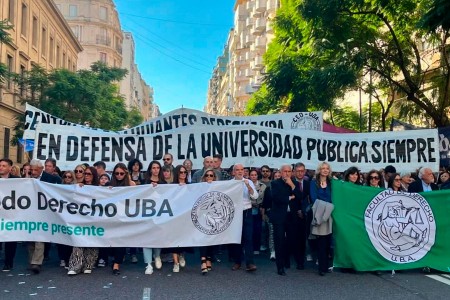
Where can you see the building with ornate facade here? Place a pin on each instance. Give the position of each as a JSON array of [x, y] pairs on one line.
[[230, 89], [40, 36]]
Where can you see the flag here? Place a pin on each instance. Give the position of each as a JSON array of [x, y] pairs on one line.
[[377, 229], [27, 144]]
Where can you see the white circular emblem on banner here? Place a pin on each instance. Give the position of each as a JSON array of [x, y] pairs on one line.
[[400, 225], [308, 121], [213, 213]]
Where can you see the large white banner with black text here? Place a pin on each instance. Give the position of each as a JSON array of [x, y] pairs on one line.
[[142, 216], [250, 145], [183, 118]]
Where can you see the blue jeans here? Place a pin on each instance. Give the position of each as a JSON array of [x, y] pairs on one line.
[[245, 248]]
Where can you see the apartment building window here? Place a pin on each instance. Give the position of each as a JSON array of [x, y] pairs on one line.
[[6, 142], [69, 63], [19, 153], [11, 11], [64, 60], [73, 10], [24, 23], [103, 57], [103, 13], [10, 66], [22, 78], [44, 41], [51, 54], [58, 56], [77, 30], [34, 37]]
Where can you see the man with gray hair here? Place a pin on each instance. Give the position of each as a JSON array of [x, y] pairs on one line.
[[36, 249], [246, 245], [426, 182], [208, 162]]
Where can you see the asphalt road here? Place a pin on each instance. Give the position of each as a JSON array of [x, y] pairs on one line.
[[220, 283]]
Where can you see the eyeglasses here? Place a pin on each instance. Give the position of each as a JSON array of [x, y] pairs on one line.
[[166, 159], [374, 177], [397, 179], [79, 171], [87, 173], [209, 175], [119, 173], [69, 177], [183, 172]]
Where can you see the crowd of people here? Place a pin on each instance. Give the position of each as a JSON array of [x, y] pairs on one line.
[[279, 207]]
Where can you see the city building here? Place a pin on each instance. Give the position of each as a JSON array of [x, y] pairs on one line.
[[230, 89], [40, 36]]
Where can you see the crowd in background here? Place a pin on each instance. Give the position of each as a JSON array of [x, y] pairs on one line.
[[278, 215]]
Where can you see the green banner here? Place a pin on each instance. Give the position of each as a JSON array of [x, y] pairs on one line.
[[377, 229]]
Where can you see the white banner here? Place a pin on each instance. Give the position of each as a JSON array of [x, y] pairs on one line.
[[182, 118], [142, 216], [252, 146]]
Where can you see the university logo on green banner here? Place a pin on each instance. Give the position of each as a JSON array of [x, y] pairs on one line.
[[378, 229]]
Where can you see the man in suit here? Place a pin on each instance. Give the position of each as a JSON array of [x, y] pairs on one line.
[[36, 249], [10, 247], [286, 204], [425, 182], [303, 219]]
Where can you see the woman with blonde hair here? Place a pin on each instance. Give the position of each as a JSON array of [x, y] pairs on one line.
[[79, 173]]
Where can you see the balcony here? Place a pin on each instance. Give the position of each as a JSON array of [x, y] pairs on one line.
[[260, 42], [259, 61], [249, 39], [119, 49], [240, 78], [255, 13], [269, 28], [260, 5], [256, 64], [249, 22], [272, 6], [249, 73], [248, 55], [249, 6], [241, 63], [260, 24]]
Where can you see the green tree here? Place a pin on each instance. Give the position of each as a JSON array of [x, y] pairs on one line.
[[89, 97], [4, 38], [323, 48], [134, 117]]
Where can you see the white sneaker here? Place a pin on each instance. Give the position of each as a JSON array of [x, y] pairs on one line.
[[256, 252], [134, 259], [62, 263], [71, 272], [101, 263], [158, 262], [149, 269], [182, 261], [309, 257], [87, 271], [176, 268], [272, 255]]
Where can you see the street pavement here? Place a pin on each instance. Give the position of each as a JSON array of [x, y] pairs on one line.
[[220, 283]]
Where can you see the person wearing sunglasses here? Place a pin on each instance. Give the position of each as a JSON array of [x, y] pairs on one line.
[[394, 183], [180, 178], [154, 177], [374, 179], [168, 160], [79, 173], [82, 259], [207, 252], [120, 177]]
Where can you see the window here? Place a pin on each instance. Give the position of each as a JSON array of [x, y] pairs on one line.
[[22, 77], [69, 64], [58, 56], [73, 11], [6, 142], [103, 13], [64, 60], [34, 38], [77, 31], [11, 11], [24, 23], [19, 153], [51, 54], [10, 66], [103, 57], [44, 41]]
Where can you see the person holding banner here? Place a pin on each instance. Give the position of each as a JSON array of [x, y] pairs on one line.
[[64, 251], [425, 182], [120, 177], [10, 247], [246, 246], [154, 177], [321, 190]]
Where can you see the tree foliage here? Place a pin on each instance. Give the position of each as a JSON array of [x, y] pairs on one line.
[[324, 48], [89, 97]]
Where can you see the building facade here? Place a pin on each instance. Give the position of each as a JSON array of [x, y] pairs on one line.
[[246, 45], [40, 36]]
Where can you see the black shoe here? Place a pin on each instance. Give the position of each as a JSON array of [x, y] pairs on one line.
[[6, 268], [116, 272], [322, 273], [300, 267], [281, 272], [36, 269]]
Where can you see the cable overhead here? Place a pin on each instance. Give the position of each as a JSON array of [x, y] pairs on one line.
[[183, 56], [174, 58], [173, 21]]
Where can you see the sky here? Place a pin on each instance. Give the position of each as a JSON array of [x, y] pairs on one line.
[[177, 43]]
